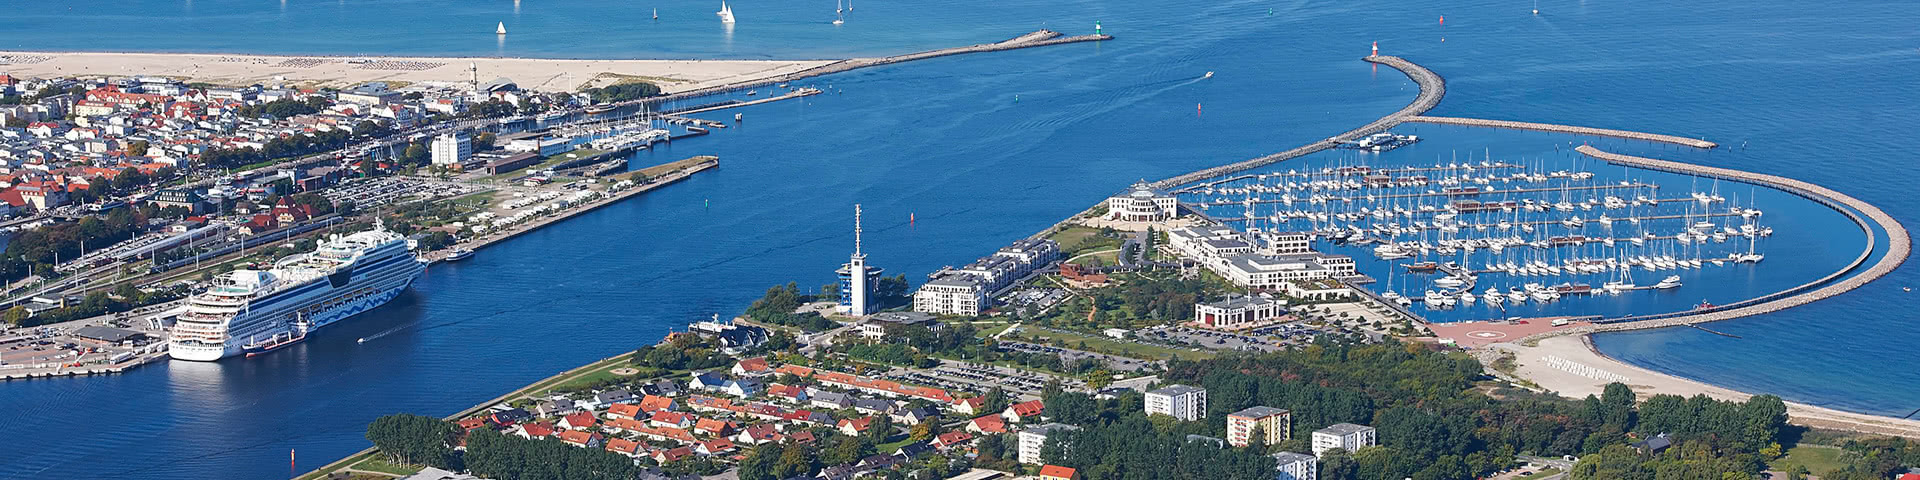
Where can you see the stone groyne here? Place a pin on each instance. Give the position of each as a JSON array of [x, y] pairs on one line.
[[1548, 127], [1038, 38], [1899, 246], [1432, 88]]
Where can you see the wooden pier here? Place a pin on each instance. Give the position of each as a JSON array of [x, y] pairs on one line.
[[1576, 130]]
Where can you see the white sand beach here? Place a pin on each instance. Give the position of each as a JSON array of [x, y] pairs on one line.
[[341, 72], [1575, 354]]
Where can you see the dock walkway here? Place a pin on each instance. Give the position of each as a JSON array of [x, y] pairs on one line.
[[1576, 130]]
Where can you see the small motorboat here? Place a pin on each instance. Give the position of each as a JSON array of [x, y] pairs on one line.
[[1209, 75]]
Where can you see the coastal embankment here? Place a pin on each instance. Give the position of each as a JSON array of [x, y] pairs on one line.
[[1576, 130], [1432, 89], [363, 454], [698, 164]]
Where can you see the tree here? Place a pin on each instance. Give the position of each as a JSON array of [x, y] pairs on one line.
[[138, 148], [923, 430], [413, 439], [17, 315], [795, 461], [483, 141], [760, 463]]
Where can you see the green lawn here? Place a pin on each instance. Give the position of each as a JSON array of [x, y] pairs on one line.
[[1819, 459], [1077, 239], [378, 464]]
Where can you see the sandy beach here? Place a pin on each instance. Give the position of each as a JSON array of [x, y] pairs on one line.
[[1553, 362], [341, 72]]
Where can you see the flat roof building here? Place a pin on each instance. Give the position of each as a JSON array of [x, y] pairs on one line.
[[1345, 436], [1275, 425], [1238, 312], [1184, 402], [1296, 466]]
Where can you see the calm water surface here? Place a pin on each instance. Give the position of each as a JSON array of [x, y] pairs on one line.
[[1814, 91]]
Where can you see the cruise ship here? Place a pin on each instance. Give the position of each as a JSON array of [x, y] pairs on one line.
[[254, 311]]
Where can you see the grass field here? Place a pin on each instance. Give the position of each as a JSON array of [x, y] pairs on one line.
[[1819, 459], [1077, 240], [378, 464], [669, 167]]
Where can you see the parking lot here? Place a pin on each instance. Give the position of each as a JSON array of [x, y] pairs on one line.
[[1208, 339], [386, 190], [1033, 299], [979, 378], [1068, 356]]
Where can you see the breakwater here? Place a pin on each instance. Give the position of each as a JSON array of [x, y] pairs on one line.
[[1432, 89], [1576, 130], [1899, 246], [1037, 38]]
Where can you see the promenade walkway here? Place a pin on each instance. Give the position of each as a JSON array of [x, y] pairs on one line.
[[1432, 88], [1898, 248], [1548, 127]]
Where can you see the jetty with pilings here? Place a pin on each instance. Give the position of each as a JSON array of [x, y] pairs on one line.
[[1576, 130]]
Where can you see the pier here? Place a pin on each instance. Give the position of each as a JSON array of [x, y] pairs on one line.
[[1037, 38], [1432, 88], [1898, 248], [1576, 130], [616, 197], [1515, 191]]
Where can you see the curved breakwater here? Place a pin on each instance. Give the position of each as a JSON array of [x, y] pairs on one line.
[[1576, 130], [1432, 89]]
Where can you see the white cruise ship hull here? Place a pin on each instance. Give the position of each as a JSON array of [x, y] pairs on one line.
[[384, 291]]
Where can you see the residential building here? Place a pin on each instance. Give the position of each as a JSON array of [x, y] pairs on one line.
[[1296, 466], [951, 294], [1178, 401], [1143, 203], [1275, 425], [1056, 472], [967, 290], [1343, 435], [1024, 412], [1032, 439], [452, 149], [1238, 312]]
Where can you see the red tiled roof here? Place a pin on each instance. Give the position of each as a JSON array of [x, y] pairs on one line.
[[1028, 408], [1056, 471]]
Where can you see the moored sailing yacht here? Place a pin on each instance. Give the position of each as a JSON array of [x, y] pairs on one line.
[[255, 311]]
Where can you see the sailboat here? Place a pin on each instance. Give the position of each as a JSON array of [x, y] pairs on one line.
[[725, 13], [501, 29], [839, 15], [656, 14]]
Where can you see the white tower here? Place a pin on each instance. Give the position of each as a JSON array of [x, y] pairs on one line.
[[473, 75]]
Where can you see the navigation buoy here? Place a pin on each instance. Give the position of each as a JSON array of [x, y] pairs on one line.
[[1196, 109], [910, 218], [1443, 19], [1269, 12], [1016, 98]]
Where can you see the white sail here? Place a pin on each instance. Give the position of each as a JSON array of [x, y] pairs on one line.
[[725, 13], [501, 30]]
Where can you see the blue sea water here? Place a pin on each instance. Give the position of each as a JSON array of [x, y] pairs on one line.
[[1815, 90]]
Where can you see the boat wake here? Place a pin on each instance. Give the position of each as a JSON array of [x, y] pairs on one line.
[[383, 333]]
